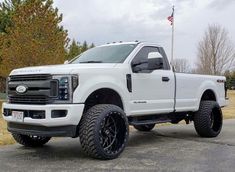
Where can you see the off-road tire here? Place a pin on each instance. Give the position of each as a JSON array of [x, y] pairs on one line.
[[146, 127], [100, 125], [208, 120], [30, 141]]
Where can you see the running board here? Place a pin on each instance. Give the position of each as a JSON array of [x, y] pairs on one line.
[[144, 122], [149, 119], [158, 118]]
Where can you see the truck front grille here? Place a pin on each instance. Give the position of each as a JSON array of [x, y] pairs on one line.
[[41, 89], [34, 77]]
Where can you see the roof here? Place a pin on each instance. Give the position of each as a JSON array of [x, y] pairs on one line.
[[133, 42]]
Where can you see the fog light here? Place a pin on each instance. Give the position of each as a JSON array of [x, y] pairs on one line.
[[58, 113], [6, 112]]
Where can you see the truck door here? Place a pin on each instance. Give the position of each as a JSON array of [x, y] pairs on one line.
[[152, 90]]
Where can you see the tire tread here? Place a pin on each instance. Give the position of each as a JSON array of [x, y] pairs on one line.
[[29, 142], [87, 128], [202, 119]]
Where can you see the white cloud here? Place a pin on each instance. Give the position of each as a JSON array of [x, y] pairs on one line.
[[102, 21]]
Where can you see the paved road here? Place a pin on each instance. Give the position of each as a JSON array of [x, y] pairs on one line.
[[168, 148]]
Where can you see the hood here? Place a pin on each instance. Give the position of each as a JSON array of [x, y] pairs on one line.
[[62, 69]]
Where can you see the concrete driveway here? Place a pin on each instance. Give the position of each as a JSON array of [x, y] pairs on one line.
[[168, 148]]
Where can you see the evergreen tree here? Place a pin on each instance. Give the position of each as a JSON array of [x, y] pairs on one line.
[[35, 36], [7, 9], [92, 45], [76, 49], [73, 50], [84, 47], [230, 78]]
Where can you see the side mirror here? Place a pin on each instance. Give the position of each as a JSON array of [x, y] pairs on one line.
[[155, 61], [66, 62]]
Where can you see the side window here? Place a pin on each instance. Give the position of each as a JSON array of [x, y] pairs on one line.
[[143, 54], [149, 52]]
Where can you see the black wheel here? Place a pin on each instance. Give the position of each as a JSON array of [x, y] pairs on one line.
[[146, 127], [30, 141], [209, 119], [104, 131]]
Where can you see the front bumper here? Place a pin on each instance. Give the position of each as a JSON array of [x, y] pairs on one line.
[[62, 131], [48, 126]]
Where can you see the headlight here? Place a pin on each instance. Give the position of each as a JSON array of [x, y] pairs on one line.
[[64, 90], [66, 85]]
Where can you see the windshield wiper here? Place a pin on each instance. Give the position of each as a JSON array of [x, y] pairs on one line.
[[91, 61]]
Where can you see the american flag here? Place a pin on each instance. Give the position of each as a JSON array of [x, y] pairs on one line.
[[171, 17]]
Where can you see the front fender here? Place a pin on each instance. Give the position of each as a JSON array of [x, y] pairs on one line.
[[92, 84]]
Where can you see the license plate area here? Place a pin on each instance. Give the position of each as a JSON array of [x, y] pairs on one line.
[[17, 116]]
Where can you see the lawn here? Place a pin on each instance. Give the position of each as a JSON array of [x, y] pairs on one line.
[[5, 137], [229, 111], [2, 96]]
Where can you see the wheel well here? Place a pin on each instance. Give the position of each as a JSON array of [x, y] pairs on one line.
[[208, 95], [103, 96]]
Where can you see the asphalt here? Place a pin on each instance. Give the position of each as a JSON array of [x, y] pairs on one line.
[[167, 148]]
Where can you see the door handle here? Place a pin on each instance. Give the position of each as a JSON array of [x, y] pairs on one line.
[[165, 79]]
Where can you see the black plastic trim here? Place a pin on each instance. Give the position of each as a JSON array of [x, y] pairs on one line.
[[61, 131], [34, 114], [165, 79], [225, 90], [166, 63], [129, 82], [172, 117]]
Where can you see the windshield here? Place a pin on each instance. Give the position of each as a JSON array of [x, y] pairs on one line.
[[105, 54]]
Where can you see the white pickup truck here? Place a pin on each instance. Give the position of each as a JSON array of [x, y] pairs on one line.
[[98, 94]]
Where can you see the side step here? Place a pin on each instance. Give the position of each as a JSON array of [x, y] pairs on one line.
[[148, 119], [160, 118], [148, 122]]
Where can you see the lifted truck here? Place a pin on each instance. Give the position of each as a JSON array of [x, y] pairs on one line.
[[98, 94]]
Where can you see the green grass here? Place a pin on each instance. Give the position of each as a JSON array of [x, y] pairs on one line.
[[6, 138], [2, 96], [229, 111]]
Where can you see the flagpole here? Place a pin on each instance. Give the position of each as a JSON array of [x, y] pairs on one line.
[[172, 36]]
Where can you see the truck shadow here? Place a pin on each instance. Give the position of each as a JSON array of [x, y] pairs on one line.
[[156, 137], [68, 149]]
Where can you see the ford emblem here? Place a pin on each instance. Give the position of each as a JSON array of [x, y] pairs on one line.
[[21, 89]]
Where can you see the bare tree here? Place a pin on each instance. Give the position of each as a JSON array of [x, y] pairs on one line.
[[216, 53], [181, 65]]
